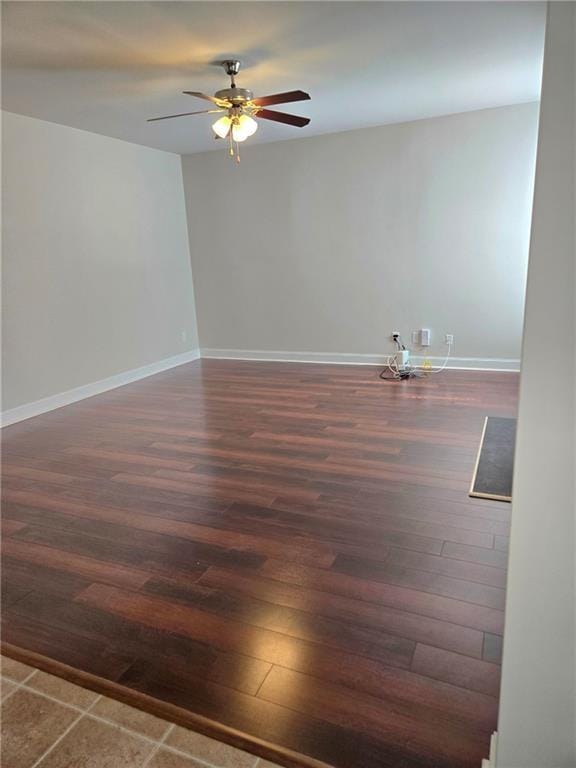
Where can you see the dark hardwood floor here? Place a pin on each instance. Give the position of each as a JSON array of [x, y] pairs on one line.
[[287, 550]]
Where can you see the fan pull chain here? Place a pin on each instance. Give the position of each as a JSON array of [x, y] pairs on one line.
[[237, 152]]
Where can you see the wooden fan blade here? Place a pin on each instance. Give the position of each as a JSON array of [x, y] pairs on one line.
[[280, 98], [282, 117], [185, 114], [213, 99]]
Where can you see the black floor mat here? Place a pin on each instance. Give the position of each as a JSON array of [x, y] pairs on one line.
[[495, 464]]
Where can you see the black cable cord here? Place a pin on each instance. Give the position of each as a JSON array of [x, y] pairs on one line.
[[402, 376]]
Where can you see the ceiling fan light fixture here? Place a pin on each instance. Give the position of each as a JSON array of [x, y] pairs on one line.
[[243, 127], [222, 127]]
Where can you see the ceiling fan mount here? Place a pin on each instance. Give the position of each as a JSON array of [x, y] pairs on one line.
[[240, 108], [231, 66]]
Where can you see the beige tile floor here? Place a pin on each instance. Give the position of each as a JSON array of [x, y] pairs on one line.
[[50, 723]]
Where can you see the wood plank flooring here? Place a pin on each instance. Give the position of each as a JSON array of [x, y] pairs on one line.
[[286, 550]]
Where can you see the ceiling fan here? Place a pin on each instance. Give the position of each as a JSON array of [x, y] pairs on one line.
[[241, 108]]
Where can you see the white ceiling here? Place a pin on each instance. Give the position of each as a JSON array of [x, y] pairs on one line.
[[107, 66]]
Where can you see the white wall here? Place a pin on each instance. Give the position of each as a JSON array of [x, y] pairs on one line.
[[328, 244], [537, 724], [96, 266]]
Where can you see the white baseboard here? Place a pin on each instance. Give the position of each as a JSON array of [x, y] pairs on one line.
[[456, 363], [28, 410], [491, 762]]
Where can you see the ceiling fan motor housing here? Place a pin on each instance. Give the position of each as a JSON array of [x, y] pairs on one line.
[[235, 95]]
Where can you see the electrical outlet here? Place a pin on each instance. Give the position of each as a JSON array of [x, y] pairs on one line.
[[395, 335], [425, 337], [449, 339], [415, 337]]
